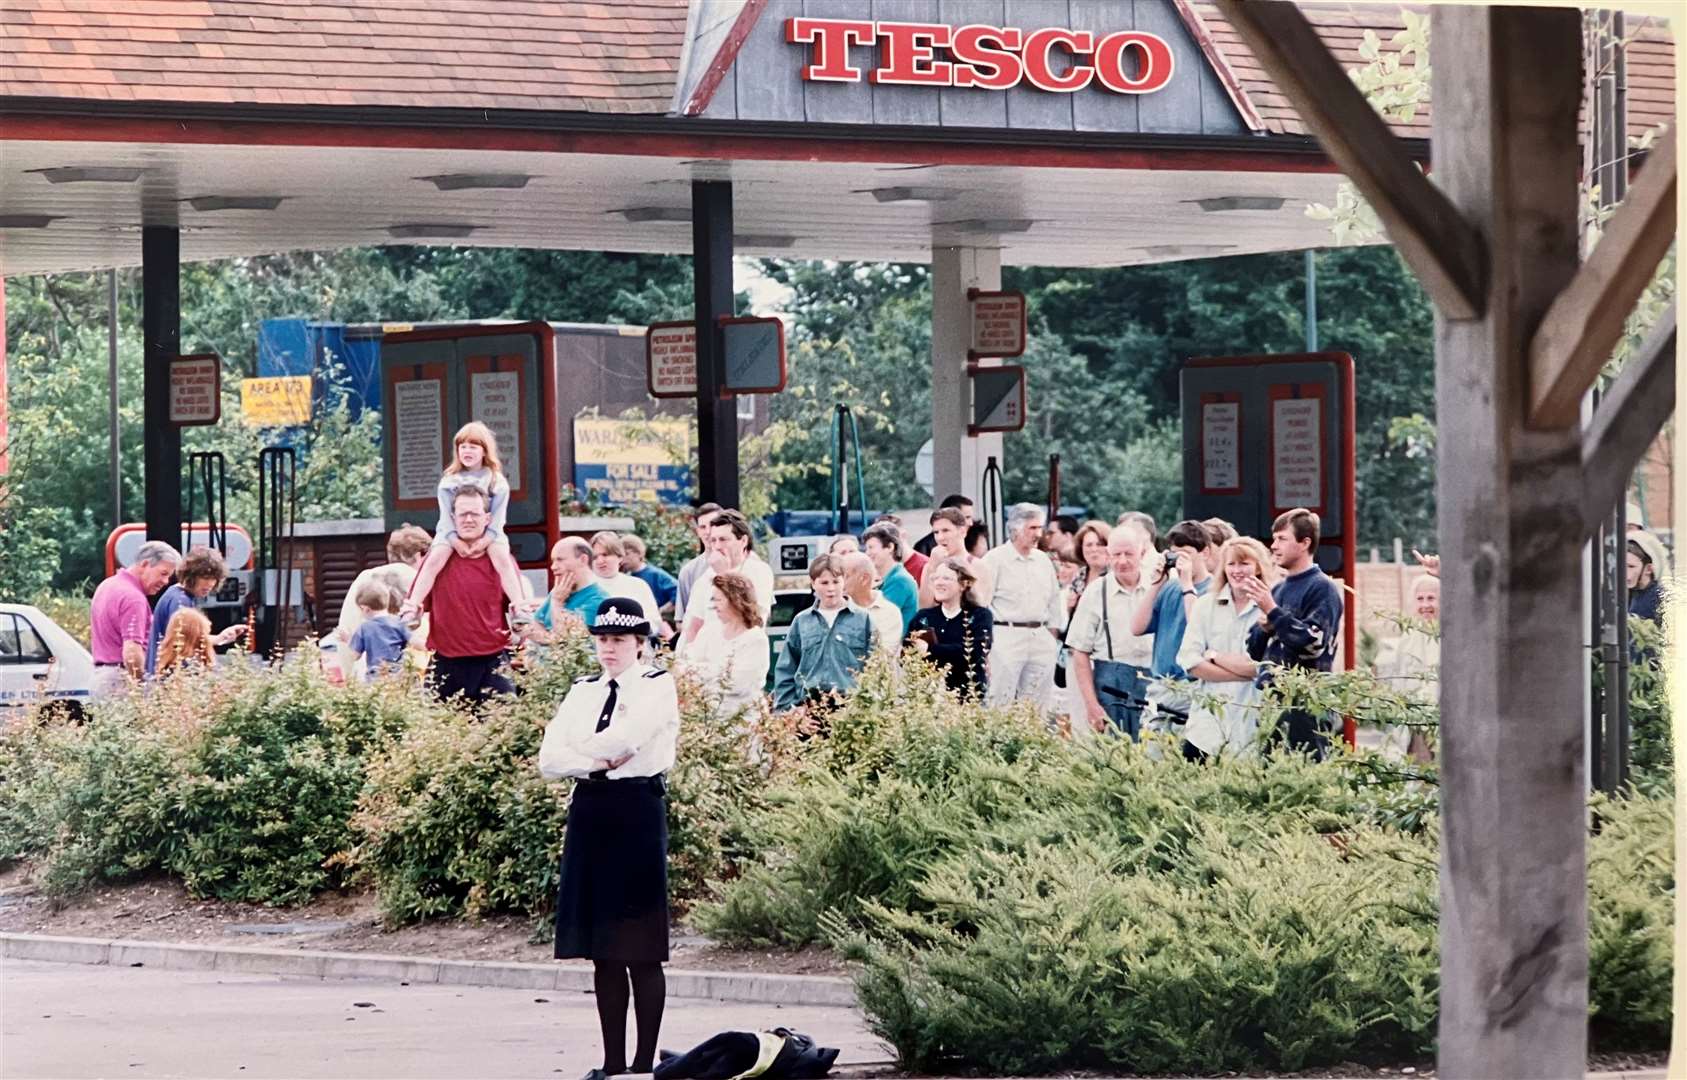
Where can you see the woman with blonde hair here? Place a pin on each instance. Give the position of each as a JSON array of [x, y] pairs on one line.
[[186, 643], [1215, 652], [734, 660]]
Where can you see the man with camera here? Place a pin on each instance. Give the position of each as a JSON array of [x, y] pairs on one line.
[[1110, 662], [1183, 575]]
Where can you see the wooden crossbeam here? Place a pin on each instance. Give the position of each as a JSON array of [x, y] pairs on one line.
[[1585, 321], [1448, 256], [1629, 417]]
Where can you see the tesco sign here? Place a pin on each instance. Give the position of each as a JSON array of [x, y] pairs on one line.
[[987, 57]]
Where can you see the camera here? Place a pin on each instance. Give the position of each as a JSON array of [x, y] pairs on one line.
[[1171, 561]]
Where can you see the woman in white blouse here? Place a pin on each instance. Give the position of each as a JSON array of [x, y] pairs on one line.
[[1215, 651], [733, 660], [616, 734]]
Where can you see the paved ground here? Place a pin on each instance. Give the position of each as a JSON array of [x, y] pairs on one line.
[[75, 1020]]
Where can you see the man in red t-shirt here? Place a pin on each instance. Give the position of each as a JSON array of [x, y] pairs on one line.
[[467, 633]]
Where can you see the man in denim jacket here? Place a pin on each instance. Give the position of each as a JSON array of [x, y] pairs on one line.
[[827, 644]]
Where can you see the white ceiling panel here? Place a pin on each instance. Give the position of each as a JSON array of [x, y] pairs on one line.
[[335, 198]]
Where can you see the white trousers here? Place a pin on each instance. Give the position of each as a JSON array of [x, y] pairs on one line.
[[1022, 665]]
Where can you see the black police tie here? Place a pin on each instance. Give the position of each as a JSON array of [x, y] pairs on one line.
[[608, 707]]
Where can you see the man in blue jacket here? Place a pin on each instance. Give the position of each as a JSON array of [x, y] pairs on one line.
[[1300, 620], [827, 645]]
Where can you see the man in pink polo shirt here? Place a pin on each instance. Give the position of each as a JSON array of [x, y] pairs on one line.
[[121, 620]]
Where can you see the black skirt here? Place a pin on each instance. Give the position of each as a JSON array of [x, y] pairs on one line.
[[612, 902]]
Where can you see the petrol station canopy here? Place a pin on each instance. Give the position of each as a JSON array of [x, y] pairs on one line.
[[256, 126]]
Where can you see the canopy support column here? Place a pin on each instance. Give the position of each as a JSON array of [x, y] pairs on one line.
[[1513, 788], [161, 330], [717, 413], [958, 459]]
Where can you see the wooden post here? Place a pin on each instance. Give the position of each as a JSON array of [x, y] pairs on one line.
[[1507, 83]]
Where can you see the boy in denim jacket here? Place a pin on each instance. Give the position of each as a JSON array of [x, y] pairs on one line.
[[827, 644]]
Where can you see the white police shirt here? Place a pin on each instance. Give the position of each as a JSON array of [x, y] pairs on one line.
[[645, 722]]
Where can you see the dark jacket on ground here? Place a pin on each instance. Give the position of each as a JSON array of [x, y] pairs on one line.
[[733, 1052]]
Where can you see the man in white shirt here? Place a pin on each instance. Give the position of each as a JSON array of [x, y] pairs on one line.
[[607, 553], [698, 564], [729, 551], [1028, 610], [886, 616], [1110, 662]]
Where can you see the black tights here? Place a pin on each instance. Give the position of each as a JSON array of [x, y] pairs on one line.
[[649, 989]]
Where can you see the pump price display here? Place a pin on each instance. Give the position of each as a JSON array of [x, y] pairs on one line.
[[998, 323], [670, 356], [196, 389]]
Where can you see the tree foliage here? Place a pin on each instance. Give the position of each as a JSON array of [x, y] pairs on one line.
[[58, 510], [1102, 365]]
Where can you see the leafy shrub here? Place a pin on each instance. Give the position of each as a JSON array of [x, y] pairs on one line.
[[273, 776], [456, 819], [1019, 904], [92, 802], [1630, 919]]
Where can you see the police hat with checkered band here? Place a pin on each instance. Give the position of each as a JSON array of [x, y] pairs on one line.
[[620, 615]]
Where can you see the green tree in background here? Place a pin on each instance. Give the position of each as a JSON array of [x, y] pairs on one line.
[[59, 489], [1103, 364]]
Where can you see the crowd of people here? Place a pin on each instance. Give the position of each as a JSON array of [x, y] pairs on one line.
[[1103, 629]]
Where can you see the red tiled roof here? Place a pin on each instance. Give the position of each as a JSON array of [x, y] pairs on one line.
[[618, 56], [1342, 26]]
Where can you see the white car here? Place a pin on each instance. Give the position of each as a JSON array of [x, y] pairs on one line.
[[40, 661]]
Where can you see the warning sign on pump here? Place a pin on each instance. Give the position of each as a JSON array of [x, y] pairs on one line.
[[998, 323], [1297, 415], [196, 389], [670, 355], [418, 438]]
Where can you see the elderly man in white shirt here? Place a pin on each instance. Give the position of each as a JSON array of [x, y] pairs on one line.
[[885, 616], [1111, 663], [1028, 611], [729, 551]]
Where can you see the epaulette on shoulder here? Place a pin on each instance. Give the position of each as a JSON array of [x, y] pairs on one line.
[[655, 673], [587, 678]]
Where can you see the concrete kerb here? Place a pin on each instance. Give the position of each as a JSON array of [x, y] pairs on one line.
[[747, 987]]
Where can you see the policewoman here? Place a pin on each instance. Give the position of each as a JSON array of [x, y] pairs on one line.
[[615, 735]]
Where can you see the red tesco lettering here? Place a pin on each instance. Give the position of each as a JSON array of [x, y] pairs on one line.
[[1052, 59]]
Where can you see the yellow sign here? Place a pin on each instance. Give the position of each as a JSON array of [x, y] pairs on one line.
[[627, 461], [283, 401]]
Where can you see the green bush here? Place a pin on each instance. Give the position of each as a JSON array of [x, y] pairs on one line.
[[1630, 920], [90, 802], [239, 780], [273, 777], [458, 821], [1018, 904]]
